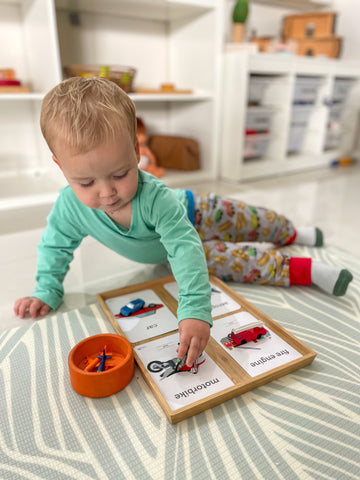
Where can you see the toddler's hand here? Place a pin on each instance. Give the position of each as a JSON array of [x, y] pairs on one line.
[[31, 305], [194, 335]]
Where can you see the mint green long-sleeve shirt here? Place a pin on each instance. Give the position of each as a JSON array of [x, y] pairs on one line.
[[160, 232]]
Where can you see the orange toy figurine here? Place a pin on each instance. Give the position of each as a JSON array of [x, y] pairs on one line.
[[147, 158]]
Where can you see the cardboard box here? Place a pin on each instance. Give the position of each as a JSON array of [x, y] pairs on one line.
[[329, 47], [309, 25]]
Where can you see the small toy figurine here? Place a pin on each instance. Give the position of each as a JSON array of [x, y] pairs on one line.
[[147, 158], [103, 359]]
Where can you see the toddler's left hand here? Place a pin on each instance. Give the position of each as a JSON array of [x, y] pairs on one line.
[[194, 336]]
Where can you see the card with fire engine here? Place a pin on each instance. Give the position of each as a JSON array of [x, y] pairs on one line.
[[253, 345]]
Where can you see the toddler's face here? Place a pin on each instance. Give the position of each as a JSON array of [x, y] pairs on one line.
[[105, 178]]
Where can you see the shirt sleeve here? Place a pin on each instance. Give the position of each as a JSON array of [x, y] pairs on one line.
[[185, 255], [55, 253]]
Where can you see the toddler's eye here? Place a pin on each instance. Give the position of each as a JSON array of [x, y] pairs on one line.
[[87, 184], [120, 176]]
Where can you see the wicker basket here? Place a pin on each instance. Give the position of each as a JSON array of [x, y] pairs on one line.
[[122, 76]]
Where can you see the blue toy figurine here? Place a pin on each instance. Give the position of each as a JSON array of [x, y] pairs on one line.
[[103, 359]]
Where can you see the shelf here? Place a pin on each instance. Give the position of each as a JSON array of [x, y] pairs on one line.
[[30, 189], [171, 97], [162, 10], [295, 4], [21, 96]]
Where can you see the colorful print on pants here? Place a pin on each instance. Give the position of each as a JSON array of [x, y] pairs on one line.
[[222, 223]]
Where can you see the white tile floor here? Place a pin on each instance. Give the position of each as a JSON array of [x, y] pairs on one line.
[[329, 199]]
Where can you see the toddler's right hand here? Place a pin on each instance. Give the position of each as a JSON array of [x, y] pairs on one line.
[[31, 305]]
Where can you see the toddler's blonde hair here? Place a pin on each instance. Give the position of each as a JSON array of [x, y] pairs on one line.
[[81, 113]]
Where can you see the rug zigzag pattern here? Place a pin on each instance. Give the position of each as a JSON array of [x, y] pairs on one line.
[[305, 425]]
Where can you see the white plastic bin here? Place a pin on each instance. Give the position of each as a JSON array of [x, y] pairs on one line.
[[335, 112], [306, 90], [258, 119], [255, 146], [342, 87], [332, 139], [296, 138], [257, 86], [300, 114]]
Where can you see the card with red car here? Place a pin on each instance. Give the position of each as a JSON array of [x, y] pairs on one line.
[[142, 315]]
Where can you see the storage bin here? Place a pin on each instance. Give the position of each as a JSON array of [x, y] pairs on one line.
[[257, 87], [255, 146], [300, 114], [258, 119], [332, 139], [306, 90], [342, 87], [335, 112], [296, 138]]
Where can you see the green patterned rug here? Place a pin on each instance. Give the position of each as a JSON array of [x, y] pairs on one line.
[[303, 426]]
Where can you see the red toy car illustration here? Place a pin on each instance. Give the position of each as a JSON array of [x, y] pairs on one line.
[[247, 333]]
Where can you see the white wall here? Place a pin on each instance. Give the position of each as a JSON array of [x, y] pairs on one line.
[[266, 21], [348, 27]]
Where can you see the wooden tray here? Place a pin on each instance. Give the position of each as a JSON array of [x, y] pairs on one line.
[[242, 381]]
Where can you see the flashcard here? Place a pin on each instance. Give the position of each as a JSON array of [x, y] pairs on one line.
[[153, 319], [256, 356], [221, 303], [180, 388]]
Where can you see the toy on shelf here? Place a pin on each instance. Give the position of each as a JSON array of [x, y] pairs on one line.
[[165, 88], [147, 158], [9, 83]]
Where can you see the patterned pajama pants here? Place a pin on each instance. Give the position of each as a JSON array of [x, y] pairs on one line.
[[223, 224]]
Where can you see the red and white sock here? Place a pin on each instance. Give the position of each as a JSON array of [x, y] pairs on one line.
[[331, 279]]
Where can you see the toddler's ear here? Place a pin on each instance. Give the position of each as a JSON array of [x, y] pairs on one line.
[[56, 161], [137, 151]]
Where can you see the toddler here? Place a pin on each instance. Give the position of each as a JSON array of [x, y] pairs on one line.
[[89, 125]]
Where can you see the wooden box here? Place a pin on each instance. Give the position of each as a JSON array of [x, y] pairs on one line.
[[309, 25], [232, 376], [329, 47]]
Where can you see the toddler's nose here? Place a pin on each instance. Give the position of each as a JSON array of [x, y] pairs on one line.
[[107, 190]]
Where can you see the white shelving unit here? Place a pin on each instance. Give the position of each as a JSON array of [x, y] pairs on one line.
[[282, 73], [177, 41]]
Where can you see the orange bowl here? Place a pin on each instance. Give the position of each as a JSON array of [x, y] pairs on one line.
[[101, 384]]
